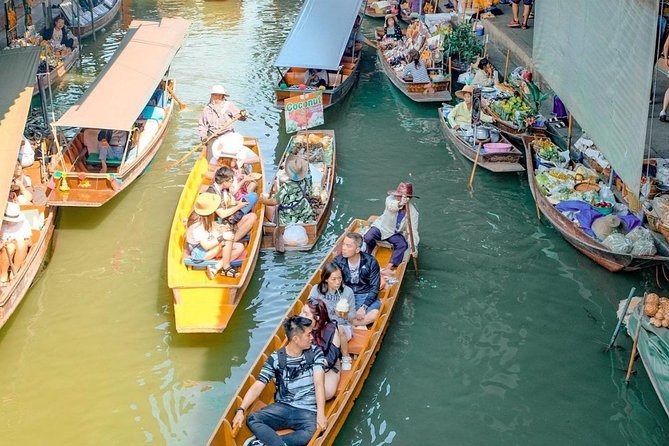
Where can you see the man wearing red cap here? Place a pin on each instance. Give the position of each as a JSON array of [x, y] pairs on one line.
[[392, 226]]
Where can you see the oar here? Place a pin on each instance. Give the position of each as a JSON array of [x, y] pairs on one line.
[[279, 244], [620, 321], [218, 133], [182, 106], [476, 162], [630, 366], [412, 245]]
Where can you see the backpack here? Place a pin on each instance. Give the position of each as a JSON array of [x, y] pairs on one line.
[[281, 388]]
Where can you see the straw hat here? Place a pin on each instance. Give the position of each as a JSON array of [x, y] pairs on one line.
[[466, 89], [13, 213], [219, 89], [403, 189], [207, 203], [296, 167], [230, 145]]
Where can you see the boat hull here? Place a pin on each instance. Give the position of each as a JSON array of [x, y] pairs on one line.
[[100, 22], [440, 95], [58, 73]]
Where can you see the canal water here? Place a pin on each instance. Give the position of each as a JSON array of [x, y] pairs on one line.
[[500, 341]]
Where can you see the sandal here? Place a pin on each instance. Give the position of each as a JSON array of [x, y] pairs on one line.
[[525, 26], [514, 24], [229, 272], [211, 272]]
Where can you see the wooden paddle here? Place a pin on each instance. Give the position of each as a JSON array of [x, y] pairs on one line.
[[182, 106], [277, 237], [412, 245], [630, 366], [216, 134], [476, 162], [620, 321]]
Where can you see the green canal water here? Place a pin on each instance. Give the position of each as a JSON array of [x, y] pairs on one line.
[[499, 342]]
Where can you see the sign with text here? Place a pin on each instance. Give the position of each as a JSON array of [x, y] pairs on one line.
[[304, 112], [476, 106]]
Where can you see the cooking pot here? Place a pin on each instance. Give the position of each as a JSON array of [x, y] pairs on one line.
[[494, 135], [482, 133]]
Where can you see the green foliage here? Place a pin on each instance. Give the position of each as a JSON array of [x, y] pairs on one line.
[[536, 96], [461, 44]]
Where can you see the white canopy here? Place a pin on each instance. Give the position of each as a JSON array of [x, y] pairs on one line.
[[320, 34]]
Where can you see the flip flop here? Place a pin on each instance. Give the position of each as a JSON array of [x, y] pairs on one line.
[[525, 26], [513, 24]]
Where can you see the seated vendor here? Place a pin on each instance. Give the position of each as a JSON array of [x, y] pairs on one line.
[[293, 195], [486, 75], [415, 68], [315, 78], [461, 114], [392, 29], [111, 144], [58, 35]]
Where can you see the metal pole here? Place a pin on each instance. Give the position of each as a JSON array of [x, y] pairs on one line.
[[42, 94]]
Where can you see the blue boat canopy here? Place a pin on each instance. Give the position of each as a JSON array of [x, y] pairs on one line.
[[320, 34]]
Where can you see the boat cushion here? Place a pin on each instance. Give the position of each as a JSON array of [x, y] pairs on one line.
[[99, 11], [159, 98], [94, 159], [110, 3], [202, 264], [151, 112]]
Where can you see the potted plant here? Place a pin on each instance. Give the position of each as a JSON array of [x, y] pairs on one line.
[[462, 45]]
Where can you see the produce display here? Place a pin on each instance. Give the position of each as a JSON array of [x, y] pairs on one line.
[[547, 151], [515, 110], [657, 309]]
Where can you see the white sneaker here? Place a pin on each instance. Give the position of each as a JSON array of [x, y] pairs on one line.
[[346, 363], [253, 441]]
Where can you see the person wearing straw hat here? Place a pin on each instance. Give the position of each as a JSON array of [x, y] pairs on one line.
[[392, 226], [15, 235], [217, 114], [231, 145], [204, 242], [293, 195], [392, 29], [461, 114]]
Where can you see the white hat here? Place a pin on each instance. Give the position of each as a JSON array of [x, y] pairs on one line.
[[230, 145], [13, 213], [219, 89]]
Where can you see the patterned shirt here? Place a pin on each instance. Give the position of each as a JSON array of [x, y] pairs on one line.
[[418, 75]]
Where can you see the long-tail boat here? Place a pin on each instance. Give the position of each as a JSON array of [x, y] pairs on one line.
[[323, 203], [54, 75], [132, 94], [363, 347], [587, 245], [17, 69], [494, 162], [202, 305], [319, 41], [84, 22], [415, 91]]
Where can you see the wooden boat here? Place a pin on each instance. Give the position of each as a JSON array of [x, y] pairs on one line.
[[494, 162], [314, 229], [575, 236], [79, 20], [339, 83], [202, 305], [508, 128], [58, 72], [376, 13], [415, 91], [18, 67], [121, 88], [363, 346]]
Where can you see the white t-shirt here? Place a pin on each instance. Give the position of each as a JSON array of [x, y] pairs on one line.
[[16, 231], [26, 153], [196, 233]]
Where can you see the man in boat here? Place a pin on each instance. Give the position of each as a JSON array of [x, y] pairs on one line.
[[362, 274], [357, 37], [297, 370], [461, 114], [293, 194], [218, 113], [15, 235], [392, 226], [233, 213], [111, 144]]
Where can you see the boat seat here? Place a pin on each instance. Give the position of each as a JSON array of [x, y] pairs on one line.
[[94, 159], [358, 341], [109, 3], [202, 264], [344, 378]]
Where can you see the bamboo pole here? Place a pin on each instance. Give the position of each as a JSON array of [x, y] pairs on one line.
[[569, 130], [450, 74], [506, 64], [412, 244], [476, 162], [630, 366]]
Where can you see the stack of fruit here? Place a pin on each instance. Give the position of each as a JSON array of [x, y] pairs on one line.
[[513, 110]]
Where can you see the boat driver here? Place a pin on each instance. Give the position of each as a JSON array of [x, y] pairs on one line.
[[218, 113]]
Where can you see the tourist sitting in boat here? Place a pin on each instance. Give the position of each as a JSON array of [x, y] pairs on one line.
[[416, 70], [26, 153], [299, 403], [340, 302], [217, 114], [21, 187], [392, 29], [461, 114], [58, 35], [231, 145], [15, 235], [235, 214], [316, 78], [293, 194], [392, 226], [206, 241], [111, 144], [361, 273], [325, 335], [486, 75]]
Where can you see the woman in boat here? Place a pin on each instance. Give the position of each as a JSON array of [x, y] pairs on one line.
[[15, 235], [461, 114], [235, 215], [340, 303], [326, 336], [205, 242], [486, 75], [293, 195], [315, 78], [58, 35], [217, 116], [416, 69], [392, 29], [21, 188]]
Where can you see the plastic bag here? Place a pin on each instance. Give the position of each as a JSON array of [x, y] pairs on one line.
[[295, 235], [618, 243], [644, 247], [605, 226], [639, 233], [661, 206], [605, 193]]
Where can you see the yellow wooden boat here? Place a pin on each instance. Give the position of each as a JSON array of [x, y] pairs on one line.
[[363, 347], [202, 305]]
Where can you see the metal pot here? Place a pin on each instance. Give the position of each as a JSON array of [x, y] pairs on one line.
[[494, 135], [482, 133]]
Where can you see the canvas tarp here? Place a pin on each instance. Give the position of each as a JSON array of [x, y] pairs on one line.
[[18, 68], [598, 58], [124, 87], [320, 34]]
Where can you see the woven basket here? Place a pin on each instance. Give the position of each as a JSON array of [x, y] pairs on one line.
[[664, 230], [653, 220]]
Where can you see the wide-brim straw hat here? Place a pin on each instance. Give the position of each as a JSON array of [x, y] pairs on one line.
[[219, 89], [230, 145], [466, 89], [13, 213], [296, 167], [403, 190], [207, 203]]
